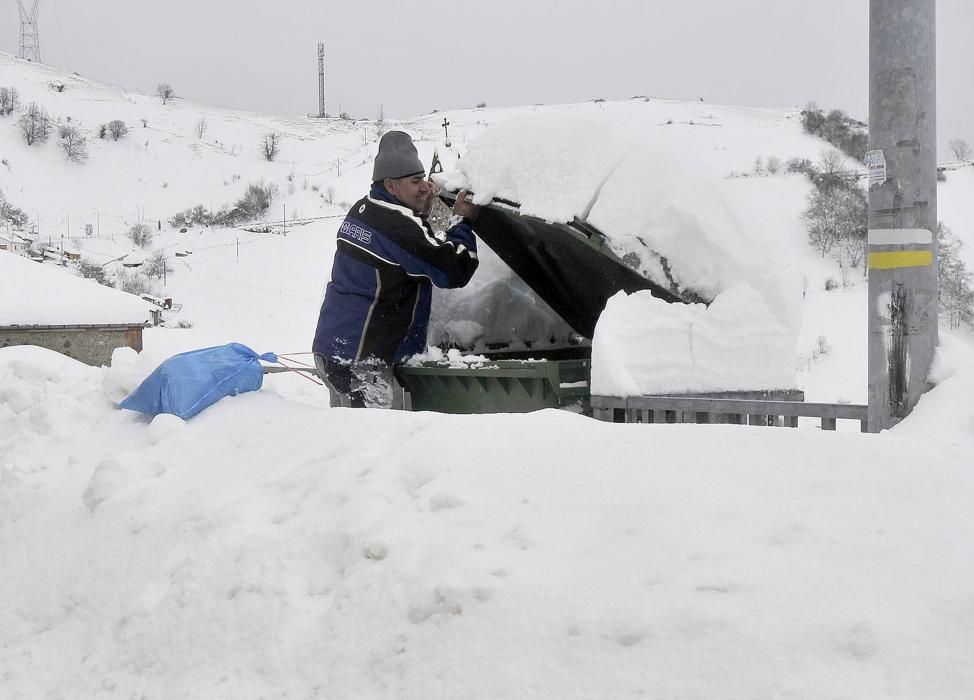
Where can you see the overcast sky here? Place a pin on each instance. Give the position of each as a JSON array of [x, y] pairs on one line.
[[413, 57]]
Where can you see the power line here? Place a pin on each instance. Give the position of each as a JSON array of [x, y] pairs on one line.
[[64, 46]]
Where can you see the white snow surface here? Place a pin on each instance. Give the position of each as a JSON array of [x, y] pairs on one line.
[[272, 547], [268, 548], [32, 294], [644, 345]]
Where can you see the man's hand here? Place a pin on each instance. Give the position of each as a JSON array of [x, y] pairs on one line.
[[464, 207], [426, 200]]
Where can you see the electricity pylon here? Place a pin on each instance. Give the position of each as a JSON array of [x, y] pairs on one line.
[[30, 45], [321, 80]]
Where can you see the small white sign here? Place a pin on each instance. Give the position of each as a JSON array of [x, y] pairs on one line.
[[88, 230], [900, 236], [875, 167]]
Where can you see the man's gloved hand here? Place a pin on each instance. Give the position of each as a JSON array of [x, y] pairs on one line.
[[464, 207]]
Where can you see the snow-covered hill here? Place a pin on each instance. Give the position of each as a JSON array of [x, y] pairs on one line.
[[165, 166], [161, 165], [273, 547]]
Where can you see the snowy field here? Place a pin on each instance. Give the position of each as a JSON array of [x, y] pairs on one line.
[[272, 547], [268, 549]]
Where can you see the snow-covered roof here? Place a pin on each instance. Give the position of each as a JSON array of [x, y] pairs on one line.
[[33, 294]]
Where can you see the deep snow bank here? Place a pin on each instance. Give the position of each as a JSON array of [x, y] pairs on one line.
[[268, 549]]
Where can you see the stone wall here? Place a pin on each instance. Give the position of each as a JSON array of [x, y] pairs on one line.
[[92, 345]]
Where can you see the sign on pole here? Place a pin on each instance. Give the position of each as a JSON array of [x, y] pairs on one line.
[[875, 167]]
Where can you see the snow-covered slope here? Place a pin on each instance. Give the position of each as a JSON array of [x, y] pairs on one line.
[[161, 166]]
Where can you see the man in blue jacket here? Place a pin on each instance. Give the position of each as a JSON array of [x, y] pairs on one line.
[[377, 304]]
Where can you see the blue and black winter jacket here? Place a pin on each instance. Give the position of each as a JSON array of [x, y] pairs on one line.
[[377, 305]]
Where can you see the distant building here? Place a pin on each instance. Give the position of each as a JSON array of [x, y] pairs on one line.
[[12, 243]]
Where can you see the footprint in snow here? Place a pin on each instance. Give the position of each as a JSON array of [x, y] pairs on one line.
[[442, 601], [443, 501], [628, 638], [861, 643], [376, 551], [115, 474]]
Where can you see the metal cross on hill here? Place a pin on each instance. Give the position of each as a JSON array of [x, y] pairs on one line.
[[446, 133]]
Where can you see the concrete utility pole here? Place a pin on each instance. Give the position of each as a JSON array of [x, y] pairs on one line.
[[321, 79], [30, 43], [902, 167]]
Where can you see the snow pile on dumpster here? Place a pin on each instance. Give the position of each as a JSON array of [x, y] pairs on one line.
[[663, 195], [644, 345]]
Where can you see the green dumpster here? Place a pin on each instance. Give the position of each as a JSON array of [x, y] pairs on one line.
[[570, 266], [497, 386]]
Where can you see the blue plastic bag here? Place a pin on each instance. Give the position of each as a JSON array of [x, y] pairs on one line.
[[187, 383]]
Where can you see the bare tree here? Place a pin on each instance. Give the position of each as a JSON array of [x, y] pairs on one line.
[[773, 165], [9, 100], [269, 146], [117, 128], [140, 235], [830, 162], [134, 283], [956, 284], [34, 124], [74, 143], [92, 270], [961, 149], [834, 216], [200, 127], [257, 199], [157, 265], [165, 91], [8, 212]]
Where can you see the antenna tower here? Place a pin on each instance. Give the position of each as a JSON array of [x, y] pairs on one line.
[[30, 46], [321, 79]]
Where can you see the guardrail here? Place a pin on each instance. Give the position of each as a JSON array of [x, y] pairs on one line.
[[681, 409]]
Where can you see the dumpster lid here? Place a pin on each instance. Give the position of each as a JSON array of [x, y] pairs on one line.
[[569, 265]]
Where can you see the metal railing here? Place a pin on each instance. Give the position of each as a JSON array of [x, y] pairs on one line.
[[681, 409]]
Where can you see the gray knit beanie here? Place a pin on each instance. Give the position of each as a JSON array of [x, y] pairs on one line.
[[397, 157]]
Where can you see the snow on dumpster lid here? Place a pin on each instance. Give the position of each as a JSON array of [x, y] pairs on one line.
[[653, 178], [34, 294], [659, 191]]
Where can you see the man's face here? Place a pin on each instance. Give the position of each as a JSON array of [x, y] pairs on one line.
[[415, 191]]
